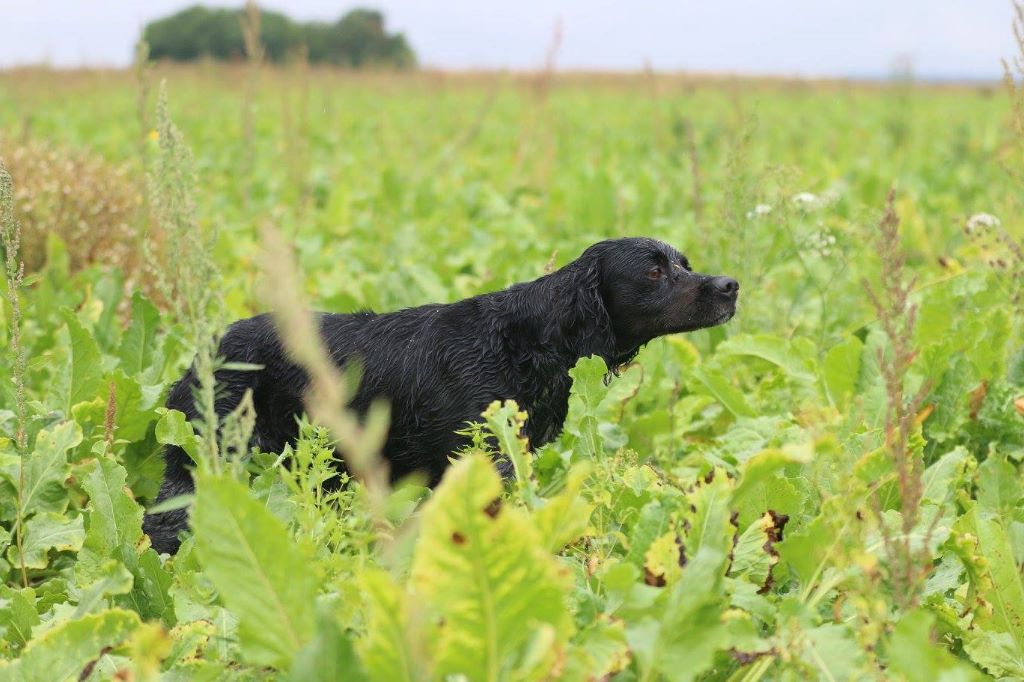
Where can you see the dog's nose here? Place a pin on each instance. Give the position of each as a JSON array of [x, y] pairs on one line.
[[726, 285]]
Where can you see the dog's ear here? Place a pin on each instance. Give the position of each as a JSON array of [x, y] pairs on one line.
[[580, 318]]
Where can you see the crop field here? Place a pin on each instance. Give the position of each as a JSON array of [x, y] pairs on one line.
[[827, 487]]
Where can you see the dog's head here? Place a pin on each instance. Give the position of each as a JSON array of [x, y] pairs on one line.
[[650, 290]]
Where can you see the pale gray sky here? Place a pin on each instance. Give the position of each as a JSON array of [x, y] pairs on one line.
[[943, 38]]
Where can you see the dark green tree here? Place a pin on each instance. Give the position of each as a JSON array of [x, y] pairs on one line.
[[357, 40]]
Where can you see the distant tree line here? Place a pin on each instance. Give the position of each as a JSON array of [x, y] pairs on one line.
[[357, 39]]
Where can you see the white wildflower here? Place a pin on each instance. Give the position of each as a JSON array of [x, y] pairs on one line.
[[805, 200], [759, 211], [980, 222]]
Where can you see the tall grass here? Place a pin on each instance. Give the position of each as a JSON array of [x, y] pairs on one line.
[[328, 394], [254, 53]]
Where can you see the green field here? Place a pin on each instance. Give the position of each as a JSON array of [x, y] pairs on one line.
[[824, 488]]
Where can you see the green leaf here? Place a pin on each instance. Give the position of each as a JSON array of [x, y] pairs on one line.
[[774, 349], [912, 652], [46, 531], [482, 568], [506, 423], [263, 577], [330, 657], [17, 614], [386, 651], [85, 374], [681, 643], [939, 478], [109, 578], [996, 652], [840, 370], [718, 387], [564, 517], [45, 469], [807, 549], [66, 649], [174, 429], [708, 516], [832, 653], [585, 397], [139, 338], [999, 487], [115, 520], [1000, 584], [758, 470], [750, 559]]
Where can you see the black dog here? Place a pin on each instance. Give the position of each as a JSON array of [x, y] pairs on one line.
[[440, 366]]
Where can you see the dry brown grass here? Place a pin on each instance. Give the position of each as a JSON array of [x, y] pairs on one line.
[[91, 204]]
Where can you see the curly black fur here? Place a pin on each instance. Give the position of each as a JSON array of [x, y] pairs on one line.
[[441, 365]]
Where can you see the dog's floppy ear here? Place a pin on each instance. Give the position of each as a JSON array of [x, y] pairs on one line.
[[580, 318]]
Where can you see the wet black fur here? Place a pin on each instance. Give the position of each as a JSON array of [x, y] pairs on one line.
[[440, 365]]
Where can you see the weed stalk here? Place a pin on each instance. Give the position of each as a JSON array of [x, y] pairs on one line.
[[897, 317], [14, 271]]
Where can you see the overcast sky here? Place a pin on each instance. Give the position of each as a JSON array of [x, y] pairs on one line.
[[942, 38]]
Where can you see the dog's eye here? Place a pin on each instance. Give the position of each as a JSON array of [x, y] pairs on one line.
[[654, 273]]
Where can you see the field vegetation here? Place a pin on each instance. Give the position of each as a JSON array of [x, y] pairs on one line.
[[828, 487]]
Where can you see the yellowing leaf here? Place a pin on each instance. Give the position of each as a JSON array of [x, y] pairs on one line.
[[64, 650], [483, 570]]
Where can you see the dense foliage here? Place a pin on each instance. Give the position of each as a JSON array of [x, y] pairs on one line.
[[356, 39], [828, 487]]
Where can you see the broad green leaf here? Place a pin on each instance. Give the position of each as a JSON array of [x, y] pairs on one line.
[[840, 370], [938, 479], [114, 518], [149, 595], [46, 469], [1000, 582], [751, 560], [776, 350], [506, 423], [136, 352], [174, 429], [598, 651], [46, 531], [708, 516], [63, 651], [329, 657], [564, 517], [758, 469], [585, 397], [134, 406], [680, 642], [950, 399], [107, 579], [718, 387], [482, 568], [387, 650], [808, 549], [831, 652], [913, 653], [996, 652], [18, 615], [263, 577], [662, 560], [999, 488], [85, 373]]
